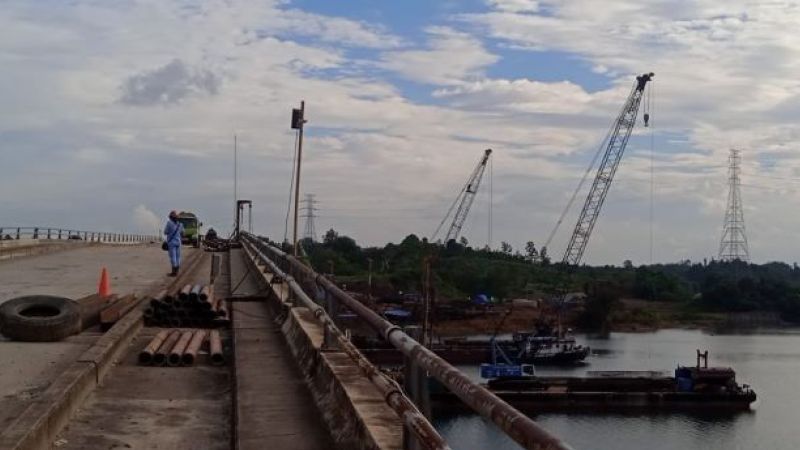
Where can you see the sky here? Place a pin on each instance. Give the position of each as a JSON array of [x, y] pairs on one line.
[[114, 113]]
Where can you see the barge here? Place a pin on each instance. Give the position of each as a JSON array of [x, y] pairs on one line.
[[522, 348], [688, 388]]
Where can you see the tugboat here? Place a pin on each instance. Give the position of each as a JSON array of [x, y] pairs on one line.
[[545, 347]]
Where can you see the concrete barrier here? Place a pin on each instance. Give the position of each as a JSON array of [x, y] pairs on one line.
[[354, 411]]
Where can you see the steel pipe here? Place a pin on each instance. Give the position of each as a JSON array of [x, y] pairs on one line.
[[194, 346], [146, 355], [394, 396], [175, 356], [515, 424], [215, 348], [160, 356]]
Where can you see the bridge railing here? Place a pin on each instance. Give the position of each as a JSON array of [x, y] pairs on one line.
[[68, 234], [515, 424]]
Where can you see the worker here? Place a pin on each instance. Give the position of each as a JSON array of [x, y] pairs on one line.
[[173, 231]]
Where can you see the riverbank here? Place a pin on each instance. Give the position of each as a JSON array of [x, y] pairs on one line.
[[630, 315]]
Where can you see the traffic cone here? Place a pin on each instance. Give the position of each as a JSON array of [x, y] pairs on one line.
[[104, 288]]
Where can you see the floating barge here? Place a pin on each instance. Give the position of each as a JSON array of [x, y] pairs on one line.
[[690, 388], [524, 348]]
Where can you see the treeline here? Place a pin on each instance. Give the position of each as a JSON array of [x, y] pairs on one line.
[[459, 271]]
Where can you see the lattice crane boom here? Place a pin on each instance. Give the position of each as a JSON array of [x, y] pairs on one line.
[[618, 139], [464, 200]]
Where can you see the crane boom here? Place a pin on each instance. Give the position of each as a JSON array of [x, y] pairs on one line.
[[464, 199], [618, 139]]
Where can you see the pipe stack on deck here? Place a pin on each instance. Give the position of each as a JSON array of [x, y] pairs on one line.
[[180, 348], [192, 306]]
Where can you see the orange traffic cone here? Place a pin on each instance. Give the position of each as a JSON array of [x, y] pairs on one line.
[[104, 288]]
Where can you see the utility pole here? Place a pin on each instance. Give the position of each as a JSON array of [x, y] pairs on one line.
[[308, 208], [733, 245], [298, 123]]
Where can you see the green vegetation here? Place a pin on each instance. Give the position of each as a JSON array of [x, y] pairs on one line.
[[460, 271]]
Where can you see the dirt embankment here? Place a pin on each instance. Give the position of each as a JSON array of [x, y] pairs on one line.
[[630, 315]]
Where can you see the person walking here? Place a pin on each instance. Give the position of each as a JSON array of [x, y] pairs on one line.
[[173, 230]]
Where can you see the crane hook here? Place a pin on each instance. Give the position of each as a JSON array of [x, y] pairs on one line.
[[646, 120]]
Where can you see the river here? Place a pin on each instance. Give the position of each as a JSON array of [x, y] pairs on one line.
[[769, 361]]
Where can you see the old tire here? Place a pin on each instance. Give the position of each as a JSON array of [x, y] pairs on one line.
[[39, 318]]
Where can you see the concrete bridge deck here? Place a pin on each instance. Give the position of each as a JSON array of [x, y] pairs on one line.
[[260, 400]]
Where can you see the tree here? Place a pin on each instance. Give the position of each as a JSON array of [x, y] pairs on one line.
[[505, 247], [544, 257], [530, 251], [627, 264], [463, 241], [330, 236]]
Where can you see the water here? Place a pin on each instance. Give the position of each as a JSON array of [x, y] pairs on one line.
[[768, 361]]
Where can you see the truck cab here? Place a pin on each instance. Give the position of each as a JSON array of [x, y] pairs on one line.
[[191, 228]]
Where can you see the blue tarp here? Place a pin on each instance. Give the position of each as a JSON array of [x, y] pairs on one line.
[[481, 299], [397, 312]]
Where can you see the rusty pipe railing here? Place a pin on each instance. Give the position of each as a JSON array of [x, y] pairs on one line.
[[416, 422], [516, 425]]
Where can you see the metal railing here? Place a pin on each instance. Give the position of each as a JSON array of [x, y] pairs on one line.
[[413, 418], [48, 233], [516, 425]]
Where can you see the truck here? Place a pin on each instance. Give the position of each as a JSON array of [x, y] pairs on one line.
[[191, 228]]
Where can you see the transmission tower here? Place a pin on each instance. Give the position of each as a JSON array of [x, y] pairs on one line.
[[733, 245], [308, 214]]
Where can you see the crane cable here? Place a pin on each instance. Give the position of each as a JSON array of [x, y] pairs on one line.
[[491, 200], [650, 101], [600, 150]]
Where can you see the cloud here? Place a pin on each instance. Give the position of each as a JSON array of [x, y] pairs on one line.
[[518, 95], [451, 58], [515, 5], [168, 84], [80, 132]]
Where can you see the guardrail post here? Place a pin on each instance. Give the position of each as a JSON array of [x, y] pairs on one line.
[[415, 384], [48, 234], [17, 233], [35, 233], [59, 234]]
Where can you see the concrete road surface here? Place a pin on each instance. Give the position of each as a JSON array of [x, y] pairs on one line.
[[75, 273], [28, 368]]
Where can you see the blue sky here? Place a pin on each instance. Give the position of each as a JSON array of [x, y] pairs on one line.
[[115, 114]]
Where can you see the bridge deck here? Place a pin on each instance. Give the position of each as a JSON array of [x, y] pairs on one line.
[[157, 407], [75, 272], [29, 368], [274, 407]]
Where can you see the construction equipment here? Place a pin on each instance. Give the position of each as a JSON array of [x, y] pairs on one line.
[[464, 200], [191, 228], [615, 145]]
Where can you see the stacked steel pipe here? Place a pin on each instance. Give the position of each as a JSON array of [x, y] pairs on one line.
[[192, 306], [180, 348]]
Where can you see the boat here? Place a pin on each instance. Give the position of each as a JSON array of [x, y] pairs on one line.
[[688, 388]]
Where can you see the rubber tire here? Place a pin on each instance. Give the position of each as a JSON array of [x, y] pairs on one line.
[[18, 327]]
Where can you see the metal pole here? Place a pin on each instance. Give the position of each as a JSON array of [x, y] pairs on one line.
[[297, 175]]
